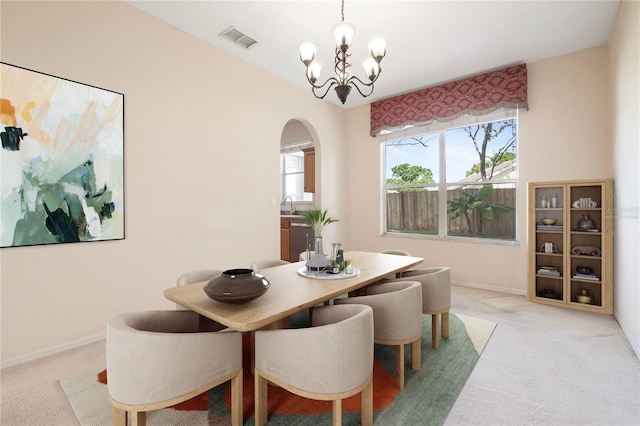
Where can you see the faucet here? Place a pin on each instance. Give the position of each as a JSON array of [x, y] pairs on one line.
[[293, 210]]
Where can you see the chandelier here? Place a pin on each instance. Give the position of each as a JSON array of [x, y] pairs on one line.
[[342, 79]]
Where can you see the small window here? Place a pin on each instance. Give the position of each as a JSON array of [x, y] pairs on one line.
[[454, 182], [292, 177]]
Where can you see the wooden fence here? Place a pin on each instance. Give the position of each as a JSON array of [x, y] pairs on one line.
[[417, 212]]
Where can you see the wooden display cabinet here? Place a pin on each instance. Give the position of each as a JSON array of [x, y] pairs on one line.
[[570, 244]]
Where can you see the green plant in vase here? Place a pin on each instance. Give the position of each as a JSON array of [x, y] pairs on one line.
[[318, 219]]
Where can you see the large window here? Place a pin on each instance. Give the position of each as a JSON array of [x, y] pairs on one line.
[[455, 182], [292, 177]]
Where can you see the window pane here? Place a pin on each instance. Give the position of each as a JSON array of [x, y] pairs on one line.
[[484, 211], [294, 162], [479, 164], [412, 211], [472, 152], [412, 160]]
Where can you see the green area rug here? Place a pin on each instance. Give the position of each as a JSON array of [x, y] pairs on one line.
[[426, 399]]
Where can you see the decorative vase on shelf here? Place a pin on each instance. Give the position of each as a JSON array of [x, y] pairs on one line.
[[586, 222], [554, 200]]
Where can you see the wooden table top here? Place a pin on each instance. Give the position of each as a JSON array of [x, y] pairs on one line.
[[289, 292]]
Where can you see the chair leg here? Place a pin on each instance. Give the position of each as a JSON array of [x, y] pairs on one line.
[[416, 354], [400, 365], [118, 417], [337, 412], [139, 418], [236, 399], [260, 400], [445, 324], [366, 405], [435, 341]]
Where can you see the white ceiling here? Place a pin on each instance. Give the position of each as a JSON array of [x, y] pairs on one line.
[[429, 42]]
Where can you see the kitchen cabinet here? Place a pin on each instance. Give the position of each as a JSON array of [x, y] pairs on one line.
[[285, 226], [309, 169], [570, 233]]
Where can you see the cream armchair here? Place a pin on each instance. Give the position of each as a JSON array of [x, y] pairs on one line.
[[257, 265], [397, 319], [156, 359], [329, 361], [436, 297]]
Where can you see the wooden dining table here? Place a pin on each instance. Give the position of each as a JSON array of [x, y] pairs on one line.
[[290, 292]]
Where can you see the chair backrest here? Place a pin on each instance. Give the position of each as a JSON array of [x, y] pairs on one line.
[[436, 286], [396, 251], [155, 356], [334, 355], [303, 255], [397, 309], [257, 265], [197, 275]]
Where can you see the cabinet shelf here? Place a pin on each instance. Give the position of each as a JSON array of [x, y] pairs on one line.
[[595, 248]]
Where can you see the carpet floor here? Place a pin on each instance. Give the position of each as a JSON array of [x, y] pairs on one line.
[[427, 398]]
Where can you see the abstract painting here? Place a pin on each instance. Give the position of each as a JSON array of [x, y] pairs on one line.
[[62, 160]]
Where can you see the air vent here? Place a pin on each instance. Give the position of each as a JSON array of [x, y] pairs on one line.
[[238, 37]]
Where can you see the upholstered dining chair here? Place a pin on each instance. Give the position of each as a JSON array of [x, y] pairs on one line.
[[329, 361], [195, 276], [397, 319], [436, 297], [396, 251], [156, 359], [303, 255], [257, 265]]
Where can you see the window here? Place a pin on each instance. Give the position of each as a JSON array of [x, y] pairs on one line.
[[292, 177], [453, 182]]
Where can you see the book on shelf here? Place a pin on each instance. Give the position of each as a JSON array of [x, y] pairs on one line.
[[549, 227], [586, 230], [548, 272], [586, 277]]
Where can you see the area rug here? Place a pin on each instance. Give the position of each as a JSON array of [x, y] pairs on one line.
[[427, 397]]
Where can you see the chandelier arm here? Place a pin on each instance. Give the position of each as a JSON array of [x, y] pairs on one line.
[[352, 82], [332, 81]]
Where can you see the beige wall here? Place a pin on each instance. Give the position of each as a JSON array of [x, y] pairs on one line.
[[625, 89], [200, 179], [201, 156], [564, 135]]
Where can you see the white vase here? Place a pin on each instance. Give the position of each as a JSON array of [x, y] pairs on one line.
[[318, 261]]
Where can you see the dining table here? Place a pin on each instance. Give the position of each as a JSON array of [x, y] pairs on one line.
[[292, 289]]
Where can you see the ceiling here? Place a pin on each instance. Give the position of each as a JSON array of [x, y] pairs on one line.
[[429, 42]]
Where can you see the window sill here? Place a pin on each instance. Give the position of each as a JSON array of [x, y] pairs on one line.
[[452, 239]]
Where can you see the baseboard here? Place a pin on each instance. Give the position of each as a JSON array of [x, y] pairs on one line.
[[518, 292], [52, 350]]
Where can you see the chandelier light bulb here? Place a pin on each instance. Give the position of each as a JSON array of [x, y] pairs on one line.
[[378, 48], [371, 68], [343, 33], [308, 51], [313, 70]]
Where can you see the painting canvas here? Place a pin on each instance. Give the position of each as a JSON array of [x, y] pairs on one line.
[[62, 160]]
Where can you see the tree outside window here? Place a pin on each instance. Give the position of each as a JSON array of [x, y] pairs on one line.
[[457, 182]]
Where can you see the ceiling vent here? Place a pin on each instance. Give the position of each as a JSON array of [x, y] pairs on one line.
[[238, 37]]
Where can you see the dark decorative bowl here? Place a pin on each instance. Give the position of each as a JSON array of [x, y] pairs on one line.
[[237, 286], [549, 294], [584, 270]]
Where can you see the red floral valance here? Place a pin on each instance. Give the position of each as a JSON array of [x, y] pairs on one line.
[[476, 95]]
